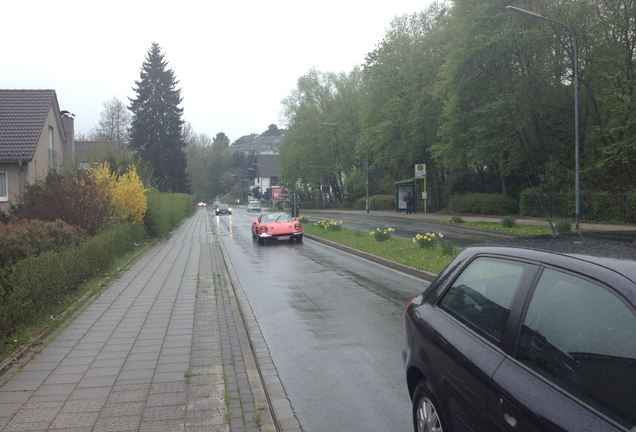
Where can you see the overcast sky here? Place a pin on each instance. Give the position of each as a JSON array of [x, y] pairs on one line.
[[235, 60]]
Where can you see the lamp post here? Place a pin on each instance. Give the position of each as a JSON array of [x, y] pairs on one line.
[[366, 163], [577, 192]]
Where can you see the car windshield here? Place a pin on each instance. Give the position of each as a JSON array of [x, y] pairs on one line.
[[277, 217]]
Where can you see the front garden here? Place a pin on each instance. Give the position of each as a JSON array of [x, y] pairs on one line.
[[70, 231]]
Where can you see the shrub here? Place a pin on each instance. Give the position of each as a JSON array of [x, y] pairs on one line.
[[456, 219], [563, 226], [35, 283], [483, 203], [165, 211], [630, 206], [376, 202], [428, 239], [330, 224], [126, 192], [31, 237], [73, 197], [382, 234], [303, 219], [508, 222]]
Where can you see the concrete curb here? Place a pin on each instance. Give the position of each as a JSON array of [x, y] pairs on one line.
[[421, 274]]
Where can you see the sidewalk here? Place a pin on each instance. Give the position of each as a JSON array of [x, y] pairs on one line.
[[158, 350], [440, 217]]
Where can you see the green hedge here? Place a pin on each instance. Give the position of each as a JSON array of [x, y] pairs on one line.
[[595, 205], [482, 203], [165, 211], [630, 206], [33, 284], [377, 202]]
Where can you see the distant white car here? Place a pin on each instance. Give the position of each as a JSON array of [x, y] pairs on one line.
[[202, 204], [254, 206]]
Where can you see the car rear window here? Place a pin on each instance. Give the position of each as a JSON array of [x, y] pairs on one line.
[[482, 295], [582, 337]]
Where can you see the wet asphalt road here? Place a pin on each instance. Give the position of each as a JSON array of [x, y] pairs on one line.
[[408, 227], [334, 327]]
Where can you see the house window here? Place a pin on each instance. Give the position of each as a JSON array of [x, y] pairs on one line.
[[4, 187], [51, 164]]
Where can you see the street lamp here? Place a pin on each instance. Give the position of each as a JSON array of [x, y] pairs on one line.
[[366, 164], [577, 192]]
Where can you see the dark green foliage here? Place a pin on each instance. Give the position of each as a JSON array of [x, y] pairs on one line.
[[31, 237], [35, 283], [630, 208], [481, 203], [484, 97], [377, 202], [563, 226], [165, 211], [155, 134], [355, 186], [69, 196], [508, 222], [596, 205]]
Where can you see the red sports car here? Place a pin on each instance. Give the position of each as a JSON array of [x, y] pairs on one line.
[[276, 226]]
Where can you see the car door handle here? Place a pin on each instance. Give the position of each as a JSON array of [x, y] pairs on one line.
[[509, 411]]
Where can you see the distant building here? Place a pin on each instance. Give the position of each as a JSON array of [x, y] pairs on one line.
[[89, 152], [266, 143], [266, 174], [35, 137]]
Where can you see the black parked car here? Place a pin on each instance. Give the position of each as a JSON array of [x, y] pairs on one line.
[[519, 339]]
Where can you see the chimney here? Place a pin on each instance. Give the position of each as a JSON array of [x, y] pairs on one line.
[[68, 122]]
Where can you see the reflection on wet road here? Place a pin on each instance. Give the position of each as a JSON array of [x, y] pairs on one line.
[[334, 327]]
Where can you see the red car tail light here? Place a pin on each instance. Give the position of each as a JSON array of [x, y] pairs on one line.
[[263, 228]]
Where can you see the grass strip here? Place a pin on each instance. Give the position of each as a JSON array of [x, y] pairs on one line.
[[522, 230], [400, 250]]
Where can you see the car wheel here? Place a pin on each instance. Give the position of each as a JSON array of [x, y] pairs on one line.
[[299, 239], [426, 415], [253, 235]]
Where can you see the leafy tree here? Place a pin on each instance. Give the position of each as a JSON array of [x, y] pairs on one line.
[[114, 123], [156, 131], [221, 141]]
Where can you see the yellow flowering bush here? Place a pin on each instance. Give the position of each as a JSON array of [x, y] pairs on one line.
[[126, 192], [382, 234]]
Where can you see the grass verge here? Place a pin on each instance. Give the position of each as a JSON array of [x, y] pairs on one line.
[[57, 314], [401, 250], [522, 230]]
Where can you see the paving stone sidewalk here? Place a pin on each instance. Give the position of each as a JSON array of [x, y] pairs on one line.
[[158, 350]]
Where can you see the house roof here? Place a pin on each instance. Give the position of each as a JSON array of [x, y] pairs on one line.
[[267, 165], [22, 117], [93, 151]]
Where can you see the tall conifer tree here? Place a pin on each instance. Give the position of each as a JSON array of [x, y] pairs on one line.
[[155, 133]]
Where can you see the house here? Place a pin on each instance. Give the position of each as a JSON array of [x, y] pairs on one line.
[[35, 137], [266, 174], [266, 143], [87, 153]]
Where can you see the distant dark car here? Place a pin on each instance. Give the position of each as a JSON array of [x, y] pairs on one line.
[[276, 226], [223, 209], [519, 339]]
